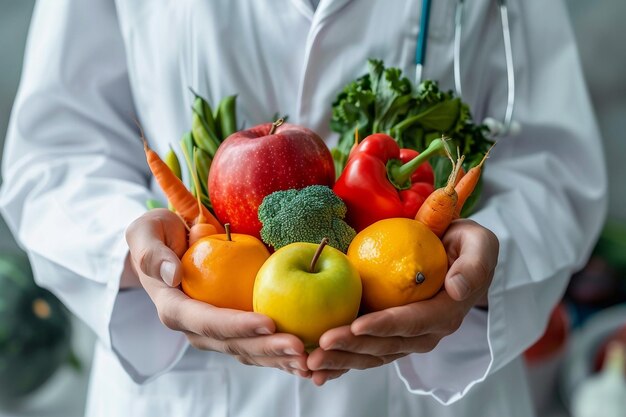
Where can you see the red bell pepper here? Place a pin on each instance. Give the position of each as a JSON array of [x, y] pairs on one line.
[[382, 181], [422, 184]]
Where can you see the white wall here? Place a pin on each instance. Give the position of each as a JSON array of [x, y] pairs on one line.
[[600, 30]]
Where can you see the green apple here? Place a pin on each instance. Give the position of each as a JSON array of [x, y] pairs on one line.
[[308, 289]]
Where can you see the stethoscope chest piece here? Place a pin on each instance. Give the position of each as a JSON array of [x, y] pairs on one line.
[[498, 129]]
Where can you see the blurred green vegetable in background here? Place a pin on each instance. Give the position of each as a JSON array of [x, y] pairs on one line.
[[35, 331], [612, 245]]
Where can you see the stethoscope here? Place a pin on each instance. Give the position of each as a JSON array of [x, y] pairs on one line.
[[497, 128]]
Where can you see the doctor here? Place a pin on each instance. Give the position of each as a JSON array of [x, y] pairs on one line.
[[75, 179]]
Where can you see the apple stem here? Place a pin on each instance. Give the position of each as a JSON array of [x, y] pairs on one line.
[[318, 252], [227, 228], [276, 124]]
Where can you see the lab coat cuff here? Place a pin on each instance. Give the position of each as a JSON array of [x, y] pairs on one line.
[[143, 345], [460, 361], [488, 341]]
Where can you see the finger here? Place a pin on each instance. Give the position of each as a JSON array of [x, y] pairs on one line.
[[319, 378], [296, 366], [156, 241], [387, 348], [337, 359], [274, 346], [436, 315], [339, 339], [179, 312], [474, 251], [321, 359], [303, 374]]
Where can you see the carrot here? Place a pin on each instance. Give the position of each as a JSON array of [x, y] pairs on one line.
[[182, 200], [460, 176], [201, 228], [437, 212], [461, 170], [356, 143], [197, 231], [465, 187]]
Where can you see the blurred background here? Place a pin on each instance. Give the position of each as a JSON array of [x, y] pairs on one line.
[[593, 309], [47, 365]]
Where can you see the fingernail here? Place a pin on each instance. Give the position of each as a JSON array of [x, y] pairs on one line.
[[337, 346], [304, 374], [168, 269], [296, 365], [460, 283], [263, 331], [290, 352]]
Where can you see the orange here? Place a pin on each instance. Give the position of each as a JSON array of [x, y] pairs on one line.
[[400, 261], [221, 272]]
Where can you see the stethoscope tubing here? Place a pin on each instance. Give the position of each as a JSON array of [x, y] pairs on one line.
[[510, 70], [422, 40], [420, 55]]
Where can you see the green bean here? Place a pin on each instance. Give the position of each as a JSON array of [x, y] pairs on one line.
[[187, 144], [152, 204], [203, 126], [218, 125], [227, 112], [171, 160], [204, 199], [203, 108], [202, 162]]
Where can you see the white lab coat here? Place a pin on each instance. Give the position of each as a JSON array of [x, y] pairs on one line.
[[75, 177]]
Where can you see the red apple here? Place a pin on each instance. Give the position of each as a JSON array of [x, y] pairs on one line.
[[253, 163]]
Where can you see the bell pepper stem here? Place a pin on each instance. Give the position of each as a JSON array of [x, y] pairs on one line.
[[400, 174]]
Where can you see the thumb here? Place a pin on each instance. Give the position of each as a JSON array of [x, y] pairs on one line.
[[158, 261], [464, 279], [149, 253], [457, 287], [471, 273]]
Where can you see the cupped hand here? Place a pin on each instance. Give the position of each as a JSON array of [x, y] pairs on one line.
[[157, 240], [378, 338]]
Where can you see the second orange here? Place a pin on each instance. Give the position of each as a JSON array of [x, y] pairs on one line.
[[221, 269]]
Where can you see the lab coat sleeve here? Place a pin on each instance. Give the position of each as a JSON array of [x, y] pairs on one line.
[[544, 198], [75, 177]]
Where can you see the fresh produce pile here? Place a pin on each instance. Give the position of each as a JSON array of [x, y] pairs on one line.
[[281, 225]]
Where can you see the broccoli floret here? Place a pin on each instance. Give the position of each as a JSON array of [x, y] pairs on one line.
[[306, 215]]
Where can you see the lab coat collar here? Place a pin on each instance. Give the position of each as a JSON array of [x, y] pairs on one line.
[[325, 9]]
